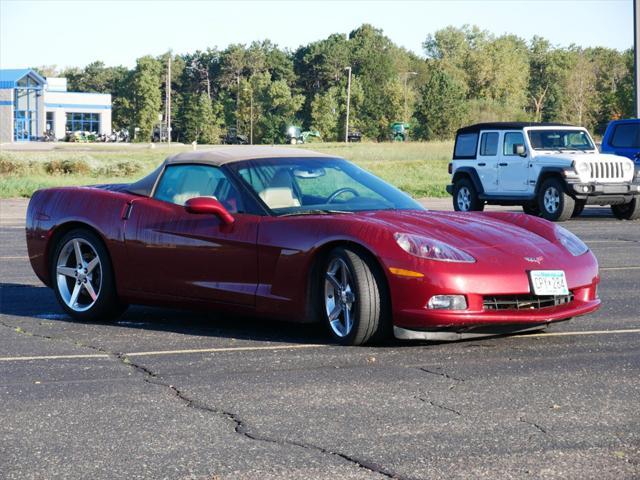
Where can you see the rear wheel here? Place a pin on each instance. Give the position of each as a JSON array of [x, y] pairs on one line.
[[465, 197], [354, 301], [531, 209], [554, 202], [82, 278], [577, 210], [627, 211]]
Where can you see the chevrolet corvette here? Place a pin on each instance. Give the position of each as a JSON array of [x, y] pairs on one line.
[[302, 236]]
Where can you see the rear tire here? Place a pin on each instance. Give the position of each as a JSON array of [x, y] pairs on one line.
[[627, 211], [353, 300], [465, 197], [554, 202], [82, 278], [531, 209], [577, 210]]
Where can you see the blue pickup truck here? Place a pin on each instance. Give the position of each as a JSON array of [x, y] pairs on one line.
[[623, 138]]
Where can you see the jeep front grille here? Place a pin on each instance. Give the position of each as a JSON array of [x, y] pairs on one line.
[[524, 302], [609, 170]]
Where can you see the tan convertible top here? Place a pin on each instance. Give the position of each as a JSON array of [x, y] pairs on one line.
[[219, 156], [238, 153]]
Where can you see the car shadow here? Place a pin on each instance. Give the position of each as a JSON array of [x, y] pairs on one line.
[[39, 302]]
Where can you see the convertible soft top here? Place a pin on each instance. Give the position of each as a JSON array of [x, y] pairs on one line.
[[218, 156]]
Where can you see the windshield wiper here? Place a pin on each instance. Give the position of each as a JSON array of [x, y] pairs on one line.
[[323, 211]]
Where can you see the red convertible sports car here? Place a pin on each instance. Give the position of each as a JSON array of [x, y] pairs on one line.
[[298, 235]]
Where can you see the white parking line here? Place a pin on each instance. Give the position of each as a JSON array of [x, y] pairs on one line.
[[611, 269], [15, 258]]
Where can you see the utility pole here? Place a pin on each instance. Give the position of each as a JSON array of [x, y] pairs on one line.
[[238, 106], [636, 54], [346, 127], [168, 100], [406, 77], [251, 131]]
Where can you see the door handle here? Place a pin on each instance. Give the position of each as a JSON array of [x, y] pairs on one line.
[[503, 164], [482, 164]]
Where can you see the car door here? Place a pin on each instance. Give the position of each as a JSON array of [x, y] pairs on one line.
[[174, 253], [513, 175], [625, 140], [487, 160]]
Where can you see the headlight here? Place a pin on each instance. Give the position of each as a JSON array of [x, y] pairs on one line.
[[582, 167], [627, 166], [431, 249], [572, 243]]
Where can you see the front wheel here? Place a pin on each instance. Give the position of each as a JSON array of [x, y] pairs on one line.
[[82, 278], [465, 197], [354, 301], [627, 211], [554, 202]]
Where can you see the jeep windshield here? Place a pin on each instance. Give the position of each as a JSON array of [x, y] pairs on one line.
[[560, 140]]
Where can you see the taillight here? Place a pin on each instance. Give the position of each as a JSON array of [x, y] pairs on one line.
[[450, 168]]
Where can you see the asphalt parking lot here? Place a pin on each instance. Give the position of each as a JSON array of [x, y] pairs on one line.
[[174, 394]]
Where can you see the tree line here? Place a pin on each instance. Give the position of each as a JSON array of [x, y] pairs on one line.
[[467, 75]]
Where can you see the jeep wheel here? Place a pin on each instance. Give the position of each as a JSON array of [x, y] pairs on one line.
[[554, 202], [577, 210], [627, 211], [465, 197]]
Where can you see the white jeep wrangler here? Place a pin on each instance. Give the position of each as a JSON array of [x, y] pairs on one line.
[[552, 170]]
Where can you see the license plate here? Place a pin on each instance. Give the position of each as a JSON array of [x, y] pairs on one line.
[[549, 282]]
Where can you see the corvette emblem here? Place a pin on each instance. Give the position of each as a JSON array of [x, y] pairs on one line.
[[537, 260]]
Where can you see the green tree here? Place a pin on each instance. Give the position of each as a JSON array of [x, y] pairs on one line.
[[199, 119], [145, 96], [441, 107]]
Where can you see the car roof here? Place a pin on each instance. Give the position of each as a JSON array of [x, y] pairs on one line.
[[218, 156], [507, 126], [238, 153]]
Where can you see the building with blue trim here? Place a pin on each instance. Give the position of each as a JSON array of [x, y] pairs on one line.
[[31, 105]]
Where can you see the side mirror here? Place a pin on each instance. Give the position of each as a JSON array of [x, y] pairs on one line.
[[518, 149], [209, 206]]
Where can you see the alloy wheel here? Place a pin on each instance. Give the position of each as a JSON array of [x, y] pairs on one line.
[[78, 274], [551, 200], [464, 199], [340, 299]]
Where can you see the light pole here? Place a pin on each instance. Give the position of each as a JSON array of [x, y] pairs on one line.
[[406, 77], [636, 54], [346, 127]]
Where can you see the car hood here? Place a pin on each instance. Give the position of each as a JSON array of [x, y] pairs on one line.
[[511, 234], [568, 158]]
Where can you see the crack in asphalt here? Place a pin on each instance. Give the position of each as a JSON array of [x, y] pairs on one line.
[[240, 427], [442, 374], [533, 424], [437, 405]]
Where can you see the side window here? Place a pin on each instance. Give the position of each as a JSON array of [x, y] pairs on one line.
[[466, 144], [180, 183], [626, 135], [511, 139], [489, 144]]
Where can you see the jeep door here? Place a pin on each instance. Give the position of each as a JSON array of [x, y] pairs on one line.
[[513, 170], [487, 160]]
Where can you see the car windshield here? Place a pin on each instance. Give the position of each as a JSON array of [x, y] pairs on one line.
[[560, 140], [292, 186]]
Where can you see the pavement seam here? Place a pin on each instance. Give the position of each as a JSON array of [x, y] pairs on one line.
[[437, 405], [240, 428], [441, 374]]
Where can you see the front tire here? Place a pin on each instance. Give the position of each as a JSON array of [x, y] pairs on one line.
[[627, 211], [354, 302], [554, 202], [465, 197], [82, 278], [531, 209]]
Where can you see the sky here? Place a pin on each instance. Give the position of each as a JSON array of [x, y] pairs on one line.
[[76, 32]]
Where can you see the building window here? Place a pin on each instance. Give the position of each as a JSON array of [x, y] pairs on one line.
[[83, 122], [50, 126]]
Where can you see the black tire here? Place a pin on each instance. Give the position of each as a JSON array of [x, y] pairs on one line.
[[627, 211], [106, 306], [465, 197], [369, 307], [531, 209], [577, 210], [554, 202]]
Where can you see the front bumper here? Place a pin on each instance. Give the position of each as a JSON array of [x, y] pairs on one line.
[[604, 193]]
